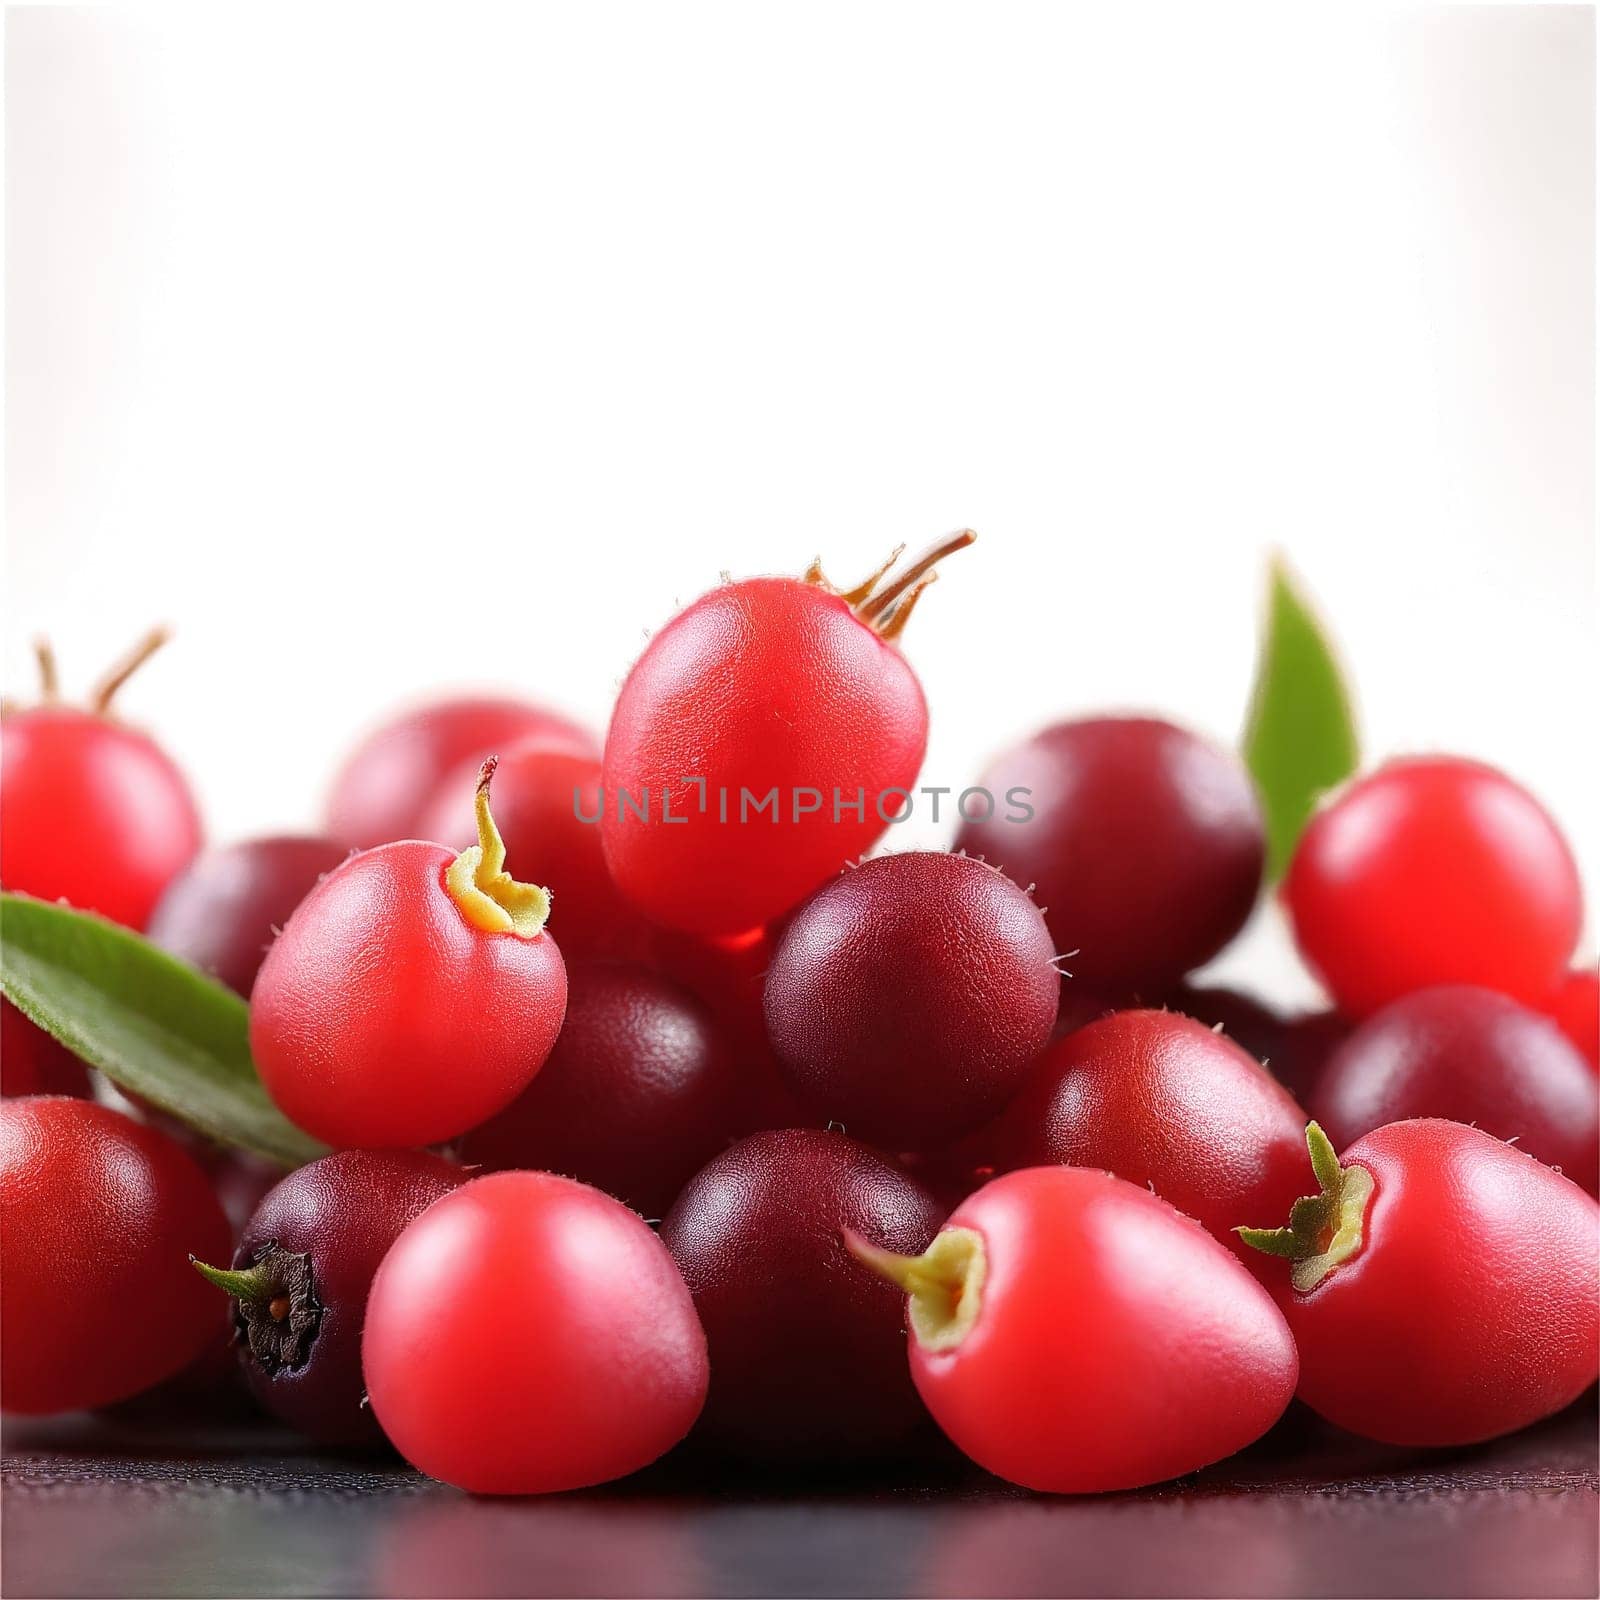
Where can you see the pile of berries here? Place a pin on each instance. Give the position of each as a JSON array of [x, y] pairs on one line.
[[659, 1109]]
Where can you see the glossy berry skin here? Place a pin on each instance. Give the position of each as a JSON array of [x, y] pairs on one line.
[[341, 1214], [31, 1062], [383, 1017], [1576, 1009], [1145, 848], [807, 1353], [528, 1334], [1115, 1343], [638, 1093], [1471, 1055], [223, 911], [91, 812], [1163, 1101], [909, 997], [390, 780], [1469, 1309], [767, 683], [1433, 870], [97, 1214], [535, 786]]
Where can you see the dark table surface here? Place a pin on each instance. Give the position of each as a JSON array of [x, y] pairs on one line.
[[93, 1507]]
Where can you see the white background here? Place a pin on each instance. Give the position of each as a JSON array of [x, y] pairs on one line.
[[385, 348]]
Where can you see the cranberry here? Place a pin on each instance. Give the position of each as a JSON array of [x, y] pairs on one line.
[[301, 1275], [412, 996], [222, 912], [31, 1062], [1433, 870], [1577, 1010], [96, 1212], [1254, 1027], [1145, 845], [1470, 1055], [542, 796], [1162, 1100], [391, 779], [91, 811], [780, 689], [528, 1334], [807, 1353], [637, 1094], [909, 997], [1303, 1050]]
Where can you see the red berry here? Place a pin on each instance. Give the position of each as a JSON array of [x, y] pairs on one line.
[[638, 1092], [1304, 1046], [1473, 1056], [97, 1213], [1072, 1333], [412, 996], [31, 1062], [1254, 1027], [389, 782], [528, 1334], [1163, 1101], [222, 912], [92, 811], [1145, 845], [807, 1353], [542, 796], [1577, 1011], [1443, 1286], [1433, 870], [301, 1275], [769, 685], [909, 998]]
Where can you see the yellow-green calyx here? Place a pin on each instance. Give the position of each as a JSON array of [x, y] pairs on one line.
[[489, 897], [1325, 1229], [944, 1283]]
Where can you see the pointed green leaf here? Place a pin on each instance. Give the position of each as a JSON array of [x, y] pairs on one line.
[[154, 1026], [1300, 737]]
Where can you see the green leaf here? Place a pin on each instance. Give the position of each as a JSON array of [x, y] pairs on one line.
[[154, 1026], [1300, 737]]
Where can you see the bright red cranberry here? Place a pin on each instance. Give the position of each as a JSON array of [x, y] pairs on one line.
[[391, 779], [301, 1275], [1164, 1101], [1433, 870], [222, 912], [807, 1353], [414, 994], [769, 687], [96, 1215], [542, 798], [1145, 846], [909, 997], [1072, 1333], [638, 1093], [1442, 1287], [1471, 1055], [92, 811], [31, 1062], [1577, 1012], [528, 1334]]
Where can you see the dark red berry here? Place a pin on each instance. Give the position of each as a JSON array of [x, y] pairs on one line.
[[1145, 846], [908, 998], [1161, 1099], [300, 1279], [1434, 870], [1304, 1046], [1576, 1009], [92, 811], [222, 912], [31, 1062], [1469, 1055], [542, 796], [638, 1093], [1254, 1027], [389, 783], [807, 1350]]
